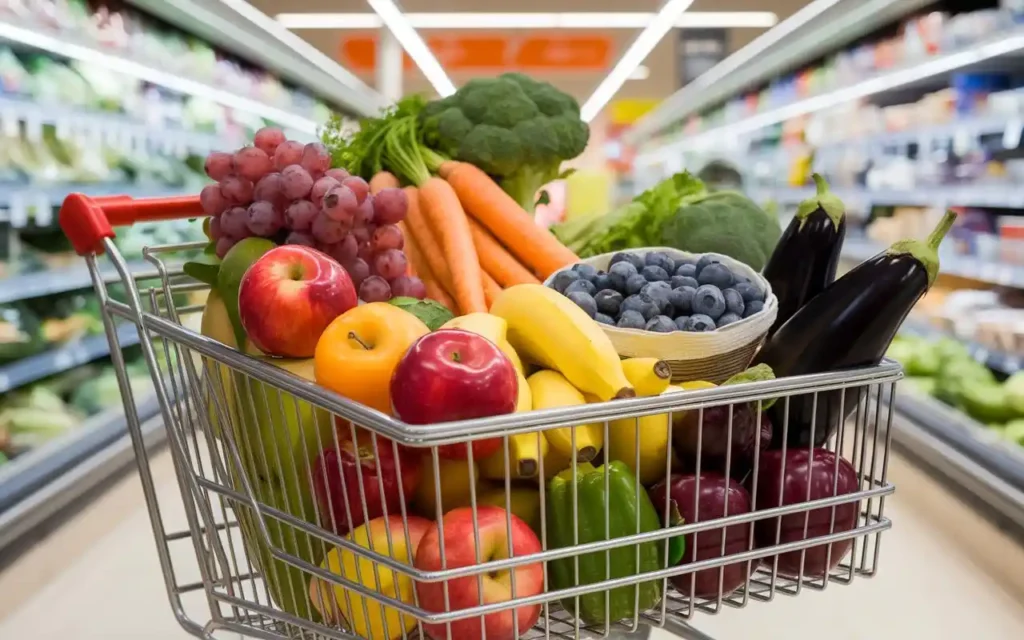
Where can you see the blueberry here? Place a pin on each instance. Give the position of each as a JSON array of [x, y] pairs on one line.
[[602, 281], [681, 299], [563, 279], [681, 323], [660, 324], [586, 286], [631, 320], [718, 275], [684, 281], [700, 322], [608, 301], [688, 269], [619, 273], [728, 318], [708, 300], [749, 291], [733, 301], [642, 304], [585, 270], [634, 284], [604, 319], [660, 259], [584, 301], [632, 258], [705, 261], [658, 291], [753, 307], [653, 273]]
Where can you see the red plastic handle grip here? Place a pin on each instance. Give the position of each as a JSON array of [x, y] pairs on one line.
[[87, 221]]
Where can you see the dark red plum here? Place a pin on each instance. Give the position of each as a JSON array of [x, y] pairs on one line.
[[819, 471], [715, 439], [715, 492]]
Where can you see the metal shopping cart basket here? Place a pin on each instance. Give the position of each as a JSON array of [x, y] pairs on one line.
[[271, 558]]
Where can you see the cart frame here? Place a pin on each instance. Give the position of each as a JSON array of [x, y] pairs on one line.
[[197, 381]]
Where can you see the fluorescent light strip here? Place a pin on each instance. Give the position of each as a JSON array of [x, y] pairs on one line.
[[871, 86], [414, 45], [634, 56], [155, 76], [565, 20]]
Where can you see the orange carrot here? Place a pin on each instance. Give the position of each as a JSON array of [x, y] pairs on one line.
[[497, 261], [491, 288], [422, 271], [419, 229], [440, 206], [383, 180], [483, 199]]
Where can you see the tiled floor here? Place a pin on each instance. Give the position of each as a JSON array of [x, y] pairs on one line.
[[945, 575]]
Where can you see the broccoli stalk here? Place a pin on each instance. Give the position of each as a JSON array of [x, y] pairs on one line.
[[516, 129]]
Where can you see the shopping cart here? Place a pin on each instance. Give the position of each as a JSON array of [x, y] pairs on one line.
[[243, 434]]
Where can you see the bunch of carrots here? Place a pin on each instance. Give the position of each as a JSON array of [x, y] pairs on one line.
[[465, 238]]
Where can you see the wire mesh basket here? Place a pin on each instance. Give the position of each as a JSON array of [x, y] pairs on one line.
[[282, 540]]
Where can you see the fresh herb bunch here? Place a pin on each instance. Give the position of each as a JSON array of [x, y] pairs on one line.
[[361, 152]]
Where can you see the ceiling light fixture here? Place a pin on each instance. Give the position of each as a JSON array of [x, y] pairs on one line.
[[414, 45], [563, 20], [637, 52], [642, 72]]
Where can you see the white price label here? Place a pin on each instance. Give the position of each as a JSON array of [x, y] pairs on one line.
[[63, 128], [1012, 133], [33, 127], [9, 123], [19, 212], [961, 142], [44, 210]]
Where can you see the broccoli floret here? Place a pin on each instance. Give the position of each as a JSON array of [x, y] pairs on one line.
[[517, 129]]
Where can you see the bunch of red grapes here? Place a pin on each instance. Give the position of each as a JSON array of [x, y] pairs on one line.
[[287, 191]]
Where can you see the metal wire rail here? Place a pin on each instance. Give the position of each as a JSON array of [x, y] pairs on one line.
[[245, 434]]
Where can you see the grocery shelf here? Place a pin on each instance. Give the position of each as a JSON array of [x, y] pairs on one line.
[[16, 199], [108, 126], [963, 450], [39, 484], [971, 195], [817, 29], [1000, 361], [238, 27], [998, 273], [37, 284], [60, 359], [910, 75], [63, 47]]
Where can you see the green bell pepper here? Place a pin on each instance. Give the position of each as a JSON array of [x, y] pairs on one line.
[[623, 504]]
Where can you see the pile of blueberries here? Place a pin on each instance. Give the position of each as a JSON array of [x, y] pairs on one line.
[[655, 292]]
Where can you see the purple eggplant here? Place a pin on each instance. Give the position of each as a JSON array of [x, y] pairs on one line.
[[805, 259], [850, 324], [824, 475], [715, 492]]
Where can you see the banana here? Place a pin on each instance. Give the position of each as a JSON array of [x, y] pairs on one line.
[[524, 449], [649, 376], [491, 327], [547, 328], [551, 389], [652, 437]]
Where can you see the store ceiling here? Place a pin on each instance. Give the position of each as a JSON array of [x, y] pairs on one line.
[[660, 82]]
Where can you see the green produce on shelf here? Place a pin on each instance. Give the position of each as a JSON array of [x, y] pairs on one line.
[[32, 418], [923, 384], [1015, 392], [986, 402], [21, 333], [956, 375], [1014, 431], [102, 393]]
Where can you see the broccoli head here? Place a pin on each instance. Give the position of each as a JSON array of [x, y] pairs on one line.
[[517, 129]]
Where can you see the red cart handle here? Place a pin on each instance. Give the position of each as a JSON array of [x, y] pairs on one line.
[[87, 221]]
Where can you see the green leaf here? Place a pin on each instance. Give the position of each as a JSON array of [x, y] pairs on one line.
[[676, 545], [543, 197], [565, 173], [204, 268]]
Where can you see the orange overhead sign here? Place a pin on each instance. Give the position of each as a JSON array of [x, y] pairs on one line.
[[496, 53]]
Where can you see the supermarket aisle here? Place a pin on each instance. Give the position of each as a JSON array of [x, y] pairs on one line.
[[944, 575]]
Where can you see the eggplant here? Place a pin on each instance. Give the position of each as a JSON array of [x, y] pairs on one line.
[[805, 259], [850, 324], [818, 473], [715, 492]]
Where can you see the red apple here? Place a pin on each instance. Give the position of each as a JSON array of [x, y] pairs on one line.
[[460, 551], [450, 375], [336, 480], [289, 296]]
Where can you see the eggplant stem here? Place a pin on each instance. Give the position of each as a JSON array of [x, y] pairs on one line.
[[936, 236]]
